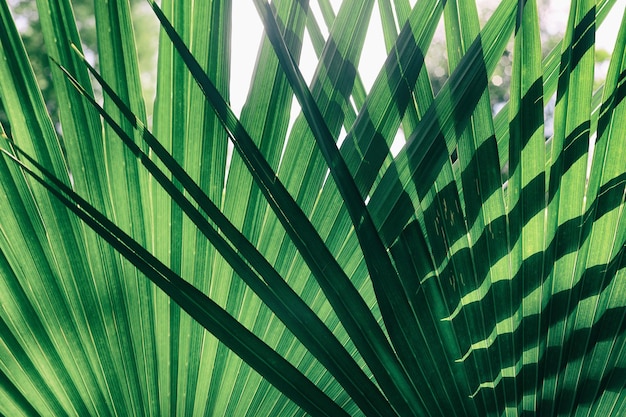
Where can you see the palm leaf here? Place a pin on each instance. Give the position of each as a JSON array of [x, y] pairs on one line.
[[146, 271]]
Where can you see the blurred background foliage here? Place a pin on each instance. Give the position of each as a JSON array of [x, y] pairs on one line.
[[27, 19]]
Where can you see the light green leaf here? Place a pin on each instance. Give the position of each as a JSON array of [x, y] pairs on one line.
[[144, 270]]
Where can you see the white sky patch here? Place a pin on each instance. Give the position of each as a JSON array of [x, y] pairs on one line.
[[374, 53], [606, 34], [308, 59], [398, 143], [246, 40]]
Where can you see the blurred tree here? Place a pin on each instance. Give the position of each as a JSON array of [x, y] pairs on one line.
[[25, 13]]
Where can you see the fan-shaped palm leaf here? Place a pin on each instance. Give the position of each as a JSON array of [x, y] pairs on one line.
[[476, 272]]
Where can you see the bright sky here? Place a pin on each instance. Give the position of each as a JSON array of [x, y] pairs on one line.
[[247, 26]]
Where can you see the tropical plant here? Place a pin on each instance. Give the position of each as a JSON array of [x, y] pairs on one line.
[[146, 271]]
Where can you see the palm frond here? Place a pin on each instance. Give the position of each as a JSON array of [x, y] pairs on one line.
[[209, 263]]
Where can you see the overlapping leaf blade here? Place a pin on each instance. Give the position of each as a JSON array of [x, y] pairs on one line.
[[507, 295]]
